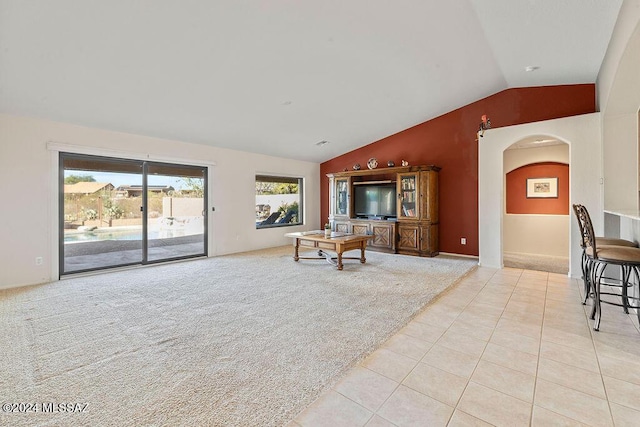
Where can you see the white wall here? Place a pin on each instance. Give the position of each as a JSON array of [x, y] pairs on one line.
[[626, 28], [535, 234], [618, 89], [28, 176], [582, 133], [602, 145], [619, 99], [620, 157], [513, 159]]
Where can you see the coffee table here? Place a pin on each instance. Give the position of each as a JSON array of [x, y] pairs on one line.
[[338, 243]]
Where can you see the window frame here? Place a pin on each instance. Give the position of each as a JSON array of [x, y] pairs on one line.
[[284, 179], [99, 163]]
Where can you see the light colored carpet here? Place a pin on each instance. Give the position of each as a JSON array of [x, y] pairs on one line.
[[552, 264], [246, 339]]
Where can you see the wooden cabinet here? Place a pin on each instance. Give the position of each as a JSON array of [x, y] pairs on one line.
[[409, 237], [415, 231], [383, 232], [418, 212], [418, 195], [384, 236], [408, 185], [417, 238]]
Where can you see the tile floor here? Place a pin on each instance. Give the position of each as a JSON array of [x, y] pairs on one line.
[[504, 347]]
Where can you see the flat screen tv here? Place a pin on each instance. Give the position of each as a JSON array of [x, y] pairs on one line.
[[376, 200]]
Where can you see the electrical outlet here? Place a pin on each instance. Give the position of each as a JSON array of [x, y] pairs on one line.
[[38, 260], [463, 240]]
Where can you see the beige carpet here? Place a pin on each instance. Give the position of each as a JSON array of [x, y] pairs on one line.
[[247, 339], [552, 264]]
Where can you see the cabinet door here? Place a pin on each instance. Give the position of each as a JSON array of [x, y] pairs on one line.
[[408, 186], [360, 228], [383, 236], [342, 226], [429, 196], [341, 192], [429, 242], [409, 237]]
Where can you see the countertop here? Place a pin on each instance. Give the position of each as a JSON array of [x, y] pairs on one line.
[[626, 213]]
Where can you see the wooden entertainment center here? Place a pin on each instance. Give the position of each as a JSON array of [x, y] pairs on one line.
[[412, 228]]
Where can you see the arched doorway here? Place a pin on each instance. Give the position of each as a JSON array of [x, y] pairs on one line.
[[536, 228], [583, 135]]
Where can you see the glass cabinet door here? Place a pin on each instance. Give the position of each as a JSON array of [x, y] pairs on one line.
[[408, 195], [342, 196]]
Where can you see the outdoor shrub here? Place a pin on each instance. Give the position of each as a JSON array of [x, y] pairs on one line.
[[114, 211], [90, 214]]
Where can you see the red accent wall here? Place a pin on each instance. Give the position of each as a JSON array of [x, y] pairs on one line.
[[449, 141], [516, 192]]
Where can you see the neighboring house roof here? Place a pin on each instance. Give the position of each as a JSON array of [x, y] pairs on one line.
[[86, 187], [156, 188]]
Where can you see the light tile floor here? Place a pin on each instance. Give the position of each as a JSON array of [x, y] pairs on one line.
[[504, 347]]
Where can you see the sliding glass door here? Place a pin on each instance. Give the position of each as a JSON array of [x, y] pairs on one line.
[[119, 212], [175, 226]]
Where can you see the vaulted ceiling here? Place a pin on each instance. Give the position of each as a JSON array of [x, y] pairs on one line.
[[276, 77]]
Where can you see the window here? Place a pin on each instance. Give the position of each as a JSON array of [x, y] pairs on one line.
[[278, 201], [117, 212]]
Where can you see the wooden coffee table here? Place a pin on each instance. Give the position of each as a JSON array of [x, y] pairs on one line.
[[338, 243]]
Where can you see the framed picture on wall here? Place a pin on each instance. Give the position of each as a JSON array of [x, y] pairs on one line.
[[542, 188]]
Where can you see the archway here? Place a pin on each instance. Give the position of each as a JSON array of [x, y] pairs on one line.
[[583, 134], [535, 216]]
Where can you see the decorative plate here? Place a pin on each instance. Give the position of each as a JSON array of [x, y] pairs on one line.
[[372, 163]]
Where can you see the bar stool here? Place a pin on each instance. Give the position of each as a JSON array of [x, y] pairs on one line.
[[627, 258], [600, 241]]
